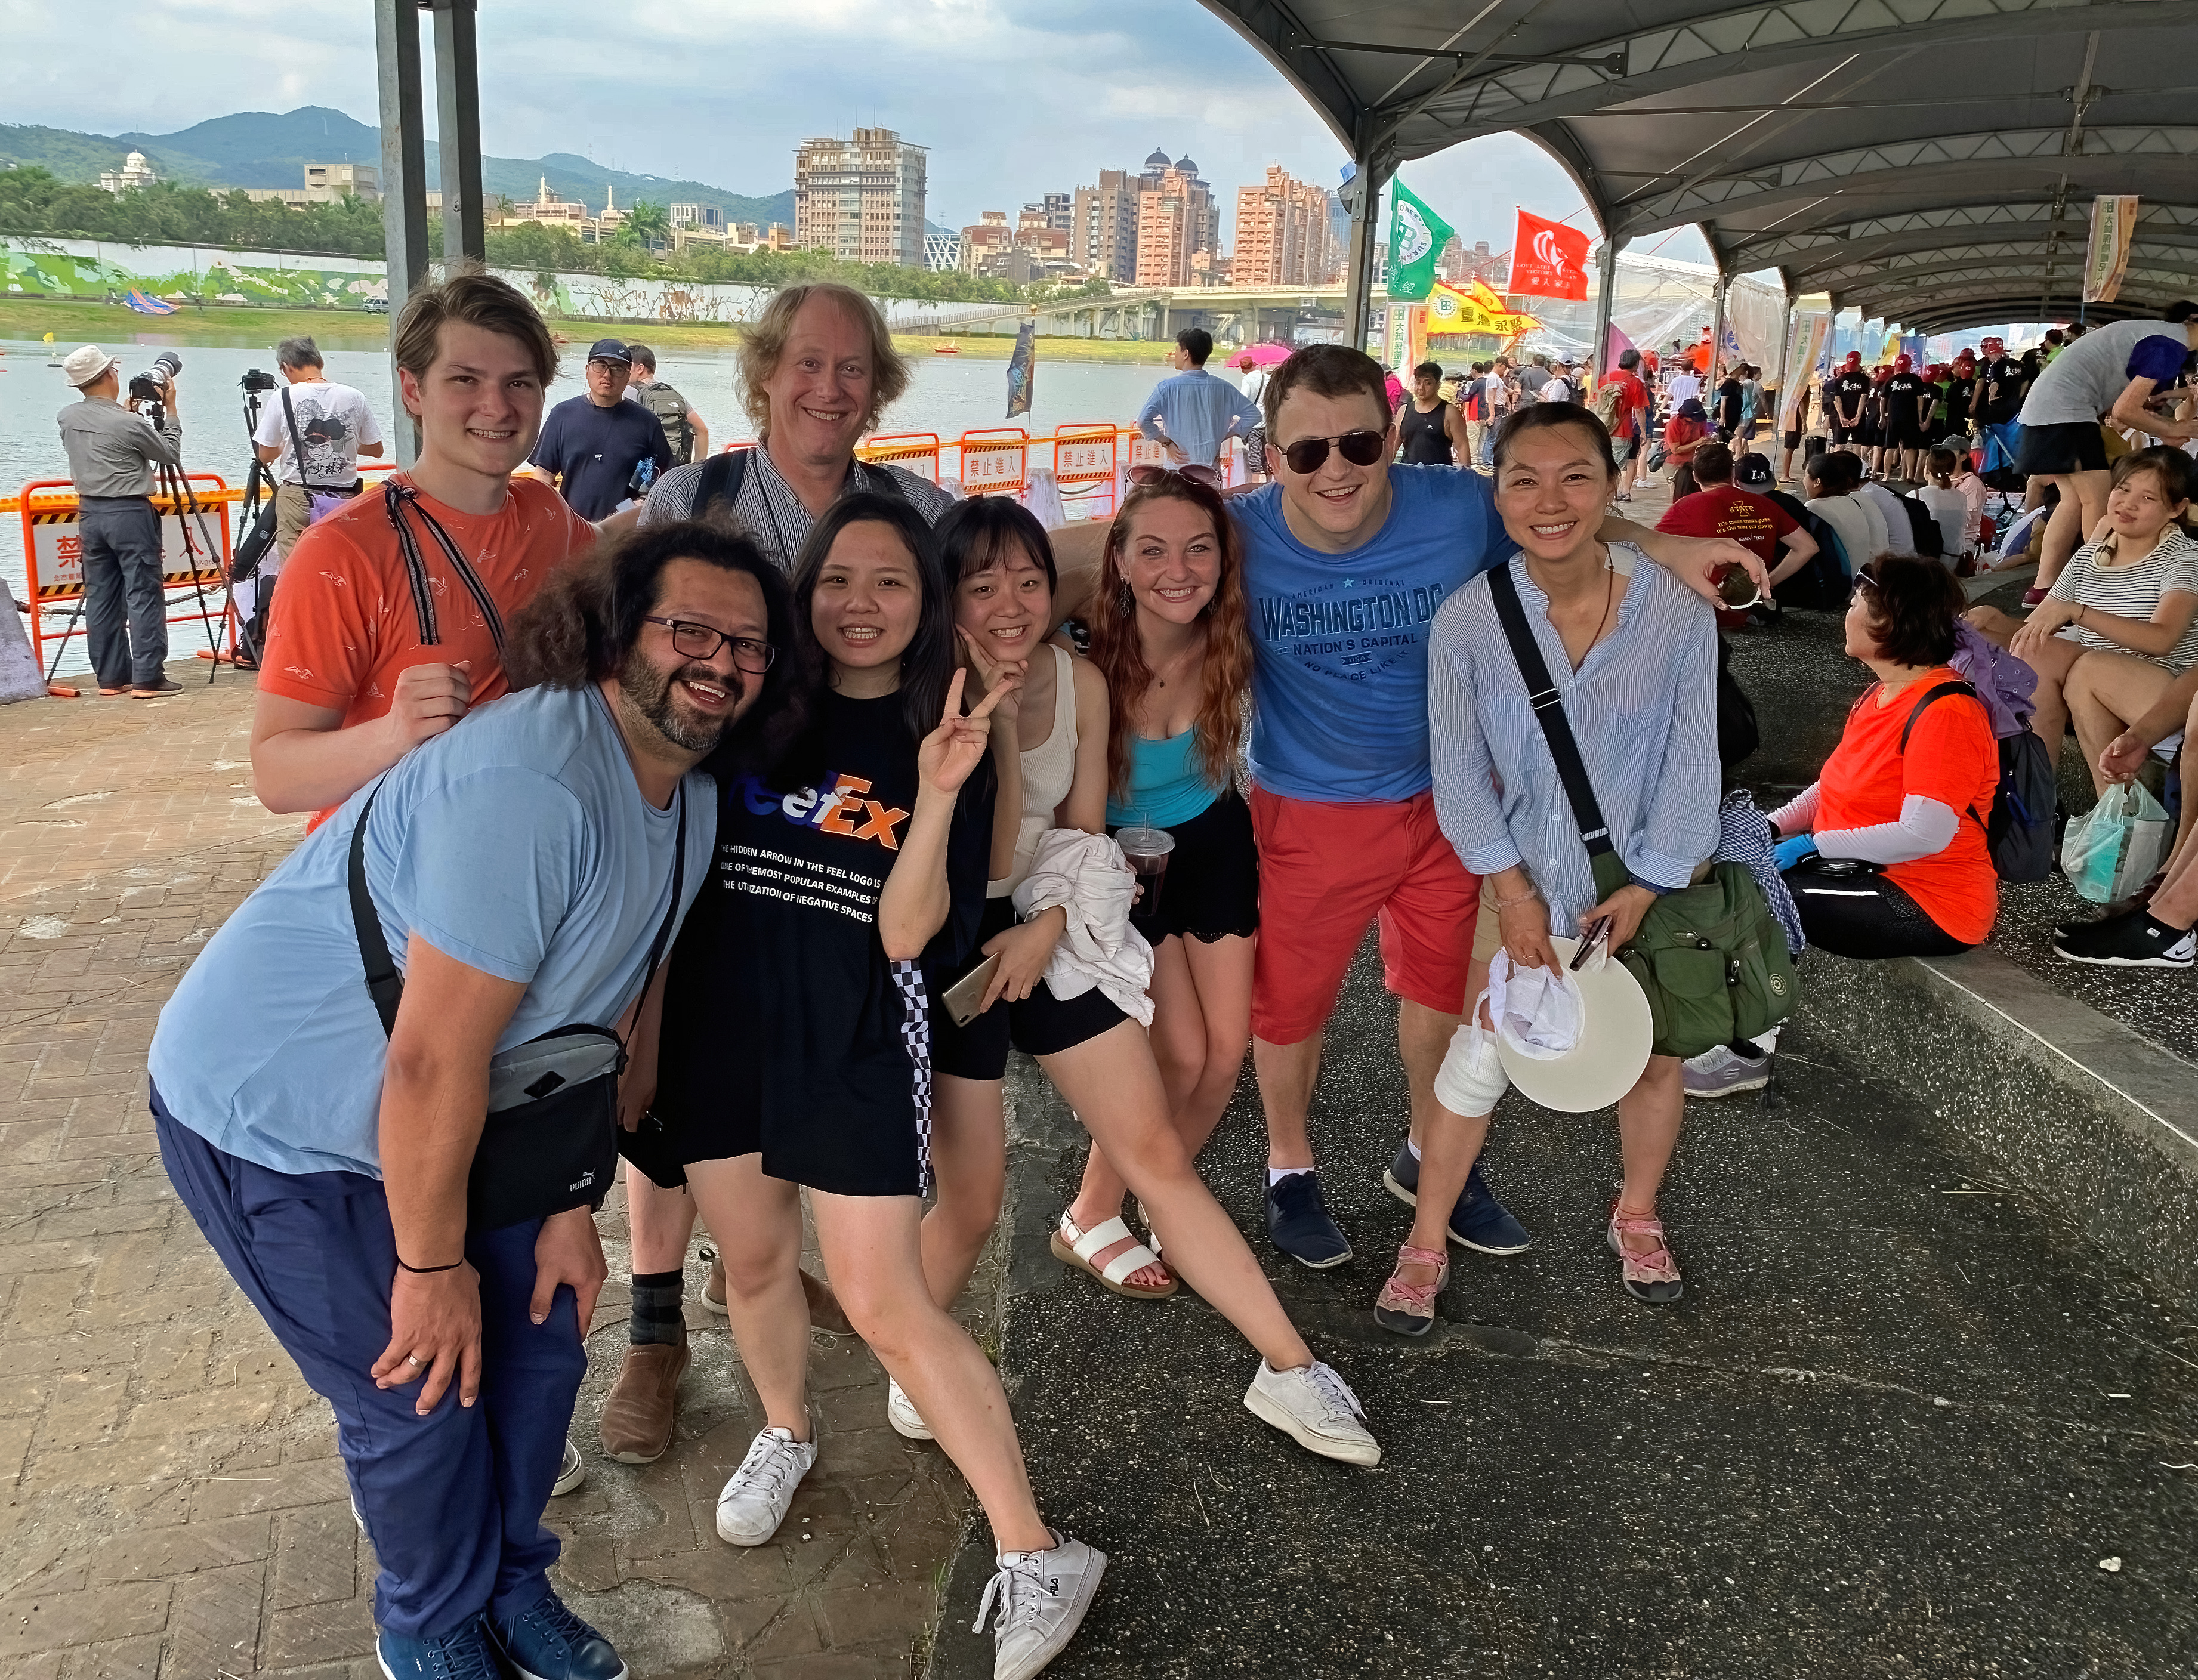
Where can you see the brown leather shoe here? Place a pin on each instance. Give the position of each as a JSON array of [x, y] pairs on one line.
[[644, 1403], [824, 1312]]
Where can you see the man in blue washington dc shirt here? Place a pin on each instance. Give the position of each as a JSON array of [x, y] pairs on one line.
[[1195, 411]]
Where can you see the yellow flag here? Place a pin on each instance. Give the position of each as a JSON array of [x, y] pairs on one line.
[[49, 337]]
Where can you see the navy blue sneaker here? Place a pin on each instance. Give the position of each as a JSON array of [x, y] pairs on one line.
[[1477, 1221], [466, 1655], [1298, 1222], [547, 1642]]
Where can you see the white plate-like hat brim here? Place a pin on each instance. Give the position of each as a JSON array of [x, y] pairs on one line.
[[1616, 1032]]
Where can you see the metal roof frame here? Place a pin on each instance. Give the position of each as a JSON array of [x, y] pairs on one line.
[[1928, 160]]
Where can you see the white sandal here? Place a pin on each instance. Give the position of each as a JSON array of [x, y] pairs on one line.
[[1073, 1248]]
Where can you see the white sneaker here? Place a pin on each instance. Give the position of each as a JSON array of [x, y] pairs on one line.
[[901, 1413], [1317, 1408], [572, 1470], [1043, 1597], [755, 1498]]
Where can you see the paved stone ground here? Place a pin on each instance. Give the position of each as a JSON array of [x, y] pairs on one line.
[[174, 1504]]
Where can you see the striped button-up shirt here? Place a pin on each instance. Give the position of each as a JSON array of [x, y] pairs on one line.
[[1643, 708], [771, 516]]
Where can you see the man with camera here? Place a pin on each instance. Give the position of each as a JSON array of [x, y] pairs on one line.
[[112, 452], [313, 435]]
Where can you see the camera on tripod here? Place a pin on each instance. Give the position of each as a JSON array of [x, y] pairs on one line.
[[254, 379], [151, 386]]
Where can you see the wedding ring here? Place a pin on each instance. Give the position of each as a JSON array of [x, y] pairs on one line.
[[413, 1360]]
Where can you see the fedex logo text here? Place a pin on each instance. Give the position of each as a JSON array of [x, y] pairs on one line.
[[841, 810]]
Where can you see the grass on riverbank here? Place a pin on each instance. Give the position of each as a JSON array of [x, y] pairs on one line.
[[72, 322]]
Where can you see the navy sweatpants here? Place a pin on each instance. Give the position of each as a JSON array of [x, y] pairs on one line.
[[453, 1500]]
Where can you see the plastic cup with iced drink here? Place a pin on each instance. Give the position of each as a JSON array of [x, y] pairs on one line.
[[1146, 852]]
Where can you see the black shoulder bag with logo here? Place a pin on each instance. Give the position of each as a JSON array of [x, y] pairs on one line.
[[1712, 957], [550, 1142]]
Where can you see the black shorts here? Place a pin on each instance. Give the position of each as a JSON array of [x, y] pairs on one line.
[[1792, 441], [1212, 887], [1844, 435], [1040, 1024], [2077, 447], [1905, 436]]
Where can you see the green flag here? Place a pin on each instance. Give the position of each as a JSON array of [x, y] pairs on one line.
[[1416, 235]]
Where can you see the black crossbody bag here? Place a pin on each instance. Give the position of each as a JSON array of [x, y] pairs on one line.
[[550, 1142]]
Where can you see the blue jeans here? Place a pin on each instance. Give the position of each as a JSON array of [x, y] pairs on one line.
[[453, 1500], [125, 615]]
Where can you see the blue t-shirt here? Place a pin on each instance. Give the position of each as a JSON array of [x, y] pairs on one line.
[[1340, 640], [594, 451], [517, 843]]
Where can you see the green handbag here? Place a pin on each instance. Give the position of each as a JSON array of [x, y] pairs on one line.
[[1711, 957]]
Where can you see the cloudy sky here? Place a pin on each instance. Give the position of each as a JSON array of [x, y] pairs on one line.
[[1014, 97]]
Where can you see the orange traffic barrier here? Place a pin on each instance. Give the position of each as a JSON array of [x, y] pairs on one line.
[[1085, 462], [916, 452], [191, 559], [995, 461]]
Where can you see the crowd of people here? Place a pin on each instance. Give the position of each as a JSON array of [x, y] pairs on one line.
[[740, 813]]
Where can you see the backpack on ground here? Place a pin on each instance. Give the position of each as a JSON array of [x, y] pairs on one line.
[[1608, 403], [2020, 836], [1930, 541]]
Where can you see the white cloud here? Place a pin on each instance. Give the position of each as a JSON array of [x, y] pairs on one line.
[[1014, 97]]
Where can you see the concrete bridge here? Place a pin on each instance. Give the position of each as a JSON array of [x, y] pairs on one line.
[[1234, 314]]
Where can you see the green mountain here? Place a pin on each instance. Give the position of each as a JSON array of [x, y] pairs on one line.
[[259, 149]]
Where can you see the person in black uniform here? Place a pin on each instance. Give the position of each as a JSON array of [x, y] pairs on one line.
[[1961, 392], [1432, 432], [1907, 401], [1846, 393]]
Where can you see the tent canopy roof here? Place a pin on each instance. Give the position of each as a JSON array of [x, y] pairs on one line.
[[1929, 161]]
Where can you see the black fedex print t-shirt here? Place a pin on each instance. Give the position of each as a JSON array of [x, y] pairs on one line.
[[786, 1026]]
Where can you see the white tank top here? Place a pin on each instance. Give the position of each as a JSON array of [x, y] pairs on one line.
[[1049, 770]]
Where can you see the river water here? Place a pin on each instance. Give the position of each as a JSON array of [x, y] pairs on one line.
[[948, 395]]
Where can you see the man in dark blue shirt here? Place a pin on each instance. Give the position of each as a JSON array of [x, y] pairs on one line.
[[591, 445]]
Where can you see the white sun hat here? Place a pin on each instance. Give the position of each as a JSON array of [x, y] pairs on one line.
[[1577, 1046]]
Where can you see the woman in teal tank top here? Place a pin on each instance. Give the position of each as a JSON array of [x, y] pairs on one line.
[[1169, 632]]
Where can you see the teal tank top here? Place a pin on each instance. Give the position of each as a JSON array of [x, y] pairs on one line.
[[1167, 787]]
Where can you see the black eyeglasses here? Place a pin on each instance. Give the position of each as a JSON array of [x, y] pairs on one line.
[[699, 642], [1360, 448]]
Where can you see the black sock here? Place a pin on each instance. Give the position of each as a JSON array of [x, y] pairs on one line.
[[656, 1315]]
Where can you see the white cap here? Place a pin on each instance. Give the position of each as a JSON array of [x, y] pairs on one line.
[[86, 363], [1616, 1031]]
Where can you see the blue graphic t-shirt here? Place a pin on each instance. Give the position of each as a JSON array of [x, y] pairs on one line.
[[1340, 640]]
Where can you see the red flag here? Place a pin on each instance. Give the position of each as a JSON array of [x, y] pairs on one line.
[[1547, 260]]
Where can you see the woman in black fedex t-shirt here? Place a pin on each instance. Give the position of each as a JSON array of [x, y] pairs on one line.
[[796, 1031]]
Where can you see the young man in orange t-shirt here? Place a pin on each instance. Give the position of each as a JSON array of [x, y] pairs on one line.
[[378, 642]]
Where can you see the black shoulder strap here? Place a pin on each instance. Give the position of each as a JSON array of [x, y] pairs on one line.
[[383, 983], [396, 497], [1939, 693], [722, 476], [1549, 711]]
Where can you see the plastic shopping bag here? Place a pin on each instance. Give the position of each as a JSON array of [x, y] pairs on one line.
[[2113, 849]]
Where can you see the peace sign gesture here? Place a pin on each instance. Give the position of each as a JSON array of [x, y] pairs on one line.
[[946, 756]]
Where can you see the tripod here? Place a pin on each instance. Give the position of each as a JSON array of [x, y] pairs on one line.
[[258, 478], [175, 484]]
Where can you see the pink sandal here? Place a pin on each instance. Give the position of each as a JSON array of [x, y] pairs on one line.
[[1409, 1309], [1650, 1275]]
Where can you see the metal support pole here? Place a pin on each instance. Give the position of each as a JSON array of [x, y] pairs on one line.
[[1605, 294], [1364, 194], [1786, 347], [1712, 374], [458, 121], [403, 180]]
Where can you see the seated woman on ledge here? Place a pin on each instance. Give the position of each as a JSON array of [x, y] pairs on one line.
[[1885, 853]]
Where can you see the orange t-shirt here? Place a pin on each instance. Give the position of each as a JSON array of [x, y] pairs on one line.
[[344, 626], [1951, 758]]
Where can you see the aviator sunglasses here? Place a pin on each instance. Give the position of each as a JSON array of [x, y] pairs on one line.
[[1189, 472], [1360, 448]]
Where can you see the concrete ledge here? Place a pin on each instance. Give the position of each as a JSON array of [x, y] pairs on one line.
[[2074, 1105]]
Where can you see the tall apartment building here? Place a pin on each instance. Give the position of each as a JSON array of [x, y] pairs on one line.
[[1057, 208], [1283, 235], [1102, 226], [861, 199], [1177, 219], [707, 217]]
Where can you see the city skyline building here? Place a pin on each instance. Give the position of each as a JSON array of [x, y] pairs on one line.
[[1177, 219], [1103, 226], [1281, 233], [862, 199]]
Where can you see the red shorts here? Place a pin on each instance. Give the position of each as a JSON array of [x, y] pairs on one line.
[[1325, 871]]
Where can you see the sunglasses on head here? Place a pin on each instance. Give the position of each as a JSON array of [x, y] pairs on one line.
[[1189, 473], [1360, 448]]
